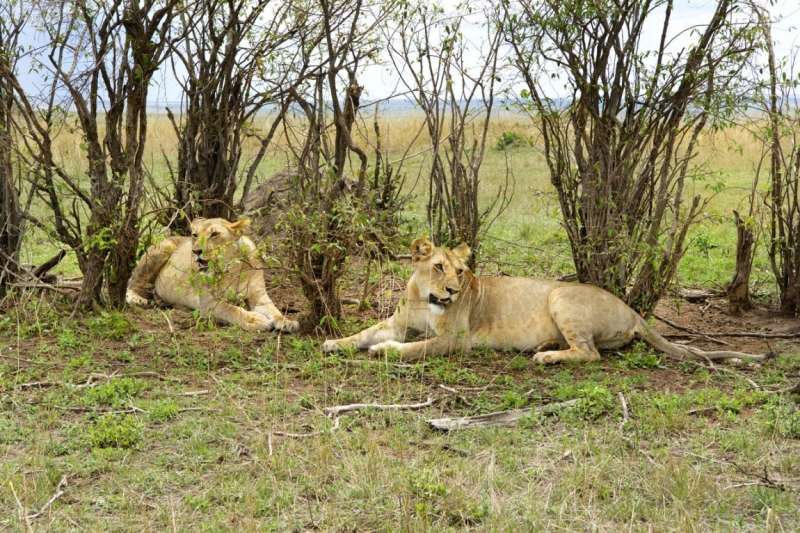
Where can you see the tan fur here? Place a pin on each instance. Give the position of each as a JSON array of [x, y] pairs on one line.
[[233, 276], [507, 312]]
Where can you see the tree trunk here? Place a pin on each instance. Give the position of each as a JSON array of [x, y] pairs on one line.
[[739, 287], [10, 217]]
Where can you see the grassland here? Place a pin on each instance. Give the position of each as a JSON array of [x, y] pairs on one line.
[[147, 420]]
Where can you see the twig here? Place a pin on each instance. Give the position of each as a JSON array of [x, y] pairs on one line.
[[18, 359], [40, 384], [793, 388], [624, 411], [334, 411], [195, 393], [169, 323], [457, 394], [501, 418], [59, 492], [269, 443], [713, 367], [304, 435], [22, 515], [375, 362]]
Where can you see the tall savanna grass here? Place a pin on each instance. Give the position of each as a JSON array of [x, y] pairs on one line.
[[533, 218]]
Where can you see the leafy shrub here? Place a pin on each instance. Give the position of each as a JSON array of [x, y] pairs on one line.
[[511, 139]]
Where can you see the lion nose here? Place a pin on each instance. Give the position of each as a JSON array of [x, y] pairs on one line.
[[452, 291], [197, 252]]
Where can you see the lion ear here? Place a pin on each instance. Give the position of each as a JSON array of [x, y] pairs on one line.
[[421, 249], [196, 222], [241, 225], [462, 251]]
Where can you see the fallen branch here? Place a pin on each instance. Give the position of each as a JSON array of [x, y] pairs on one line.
[[690, 330], [334, 411], [43, 285], [498, 419], [59, 492], [728, 333], [195, 393]]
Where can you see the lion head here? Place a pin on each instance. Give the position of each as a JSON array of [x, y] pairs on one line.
[[216, 238], [440, 273]]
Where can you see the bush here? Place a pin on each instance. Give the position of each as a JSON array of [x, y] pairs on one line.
[[511, 139]]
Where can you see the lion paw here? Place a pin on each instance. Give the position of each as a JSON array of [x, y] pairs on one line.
[[134, 299], [382, 348], [331, 346], [543, 358], [284, 324], [258, 323]]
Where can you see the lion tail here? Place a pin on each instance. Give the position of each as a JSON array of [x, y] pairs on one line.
[[682, 352]]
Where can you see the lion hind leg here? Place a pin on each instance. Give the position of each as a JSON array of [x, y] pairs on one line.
[[578, 345], [147, 270]]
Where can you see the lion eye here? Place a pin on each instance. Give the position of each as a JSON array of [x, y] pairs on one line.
[[439, 267], [194, 235], [214, 234], [459, 271]]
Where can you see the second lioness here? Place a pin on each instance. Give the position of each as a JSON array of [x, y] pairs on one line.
[[213, 271], [445, 299]]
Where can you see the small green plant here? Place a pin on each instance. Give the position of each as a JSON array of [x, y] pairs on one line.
[[68, 340], [115, 393], [641, 356], [163, 411], [781, 419], [512, 400], [115, 431], [113, 325]]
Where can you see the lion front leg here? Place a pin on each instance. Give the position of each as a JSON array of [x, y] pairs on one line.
[[386, 331], [146, 272], [415, 351], [279, 322], [258, 301], [232, 314]]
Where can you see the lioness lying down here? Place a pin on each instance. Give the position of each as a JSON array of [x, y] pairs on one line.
[[214, 269], [443, 298]]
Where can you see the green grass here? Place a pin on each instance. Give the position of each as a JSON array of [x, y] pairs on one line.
[[114, 418]]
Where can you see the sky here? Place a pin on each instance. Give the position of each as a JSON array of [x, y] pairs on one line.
[[380, 81]]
